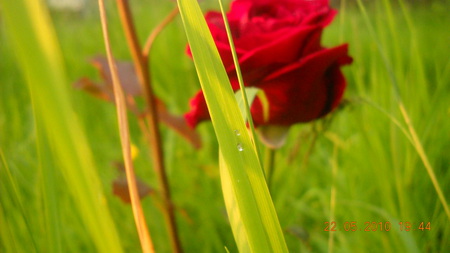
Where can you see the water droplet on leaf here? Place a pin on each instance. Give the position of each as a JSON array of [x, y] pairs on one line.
[[239, 147], [237, 132]]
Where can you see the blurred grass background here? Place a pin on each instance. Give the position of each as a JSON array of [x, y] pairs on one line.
[[361, 156]]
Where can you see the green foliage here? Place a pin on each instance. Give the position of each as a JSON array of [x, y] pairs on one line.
[[249, 205], [37, 52], [362, 156]]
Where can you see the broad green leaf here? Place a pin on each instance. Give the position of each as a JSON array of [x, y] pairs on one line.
[[252, 214], [34, 41]]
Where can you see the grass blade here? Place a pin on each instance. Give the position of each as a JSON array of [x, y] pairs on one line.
[[252, 214], [34, 41], [246, 108], [412, 132]]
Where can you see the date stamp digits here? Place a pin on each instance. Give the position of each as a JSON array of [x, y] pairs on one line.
[[372, 226]]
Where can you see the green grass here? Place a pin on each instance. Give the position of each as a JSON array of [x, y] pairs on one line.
[[374, 170]]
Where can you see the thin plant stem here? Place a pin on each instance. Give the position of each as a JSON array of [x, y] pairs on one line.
[[334, 171], [154, 138], [415, 139], [419, 148], [269, 164], [156, 31], [16, 194], [295, 150], [144, 234], [309, 151]]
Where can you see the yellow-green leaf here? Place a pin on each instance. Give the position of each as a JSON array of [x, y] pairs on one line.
[[252, 215]]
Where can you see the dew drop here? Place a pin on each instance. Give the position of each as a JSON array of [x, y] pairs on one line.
[[237, 132], [239, 147]]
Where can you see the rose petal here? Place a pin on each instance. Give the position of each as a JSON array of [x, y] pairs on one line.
[[322, 18], [286, 49], [199, 110], [317, 83], [317, 60], [239, 10]]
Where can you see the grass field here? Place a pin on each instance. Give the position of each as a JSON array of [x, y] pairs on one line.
[[360, 165]]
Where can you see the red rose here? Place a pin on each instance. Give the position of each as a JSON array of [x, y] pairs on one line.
[[279, 51]]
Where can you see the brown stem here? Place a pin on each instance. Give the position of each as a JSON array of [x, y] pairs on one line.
[[154, 139], [144, 235], [151, 38]]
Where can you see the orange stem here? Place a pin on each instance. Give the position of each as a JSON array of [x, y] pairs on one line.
[[141, 225], [154, 139]]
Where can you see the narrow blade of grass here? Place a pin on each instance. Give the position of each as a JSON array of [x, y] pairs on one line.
[[246, 108], [10, 194], [252, 214], [34, 41], [416, 143]]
